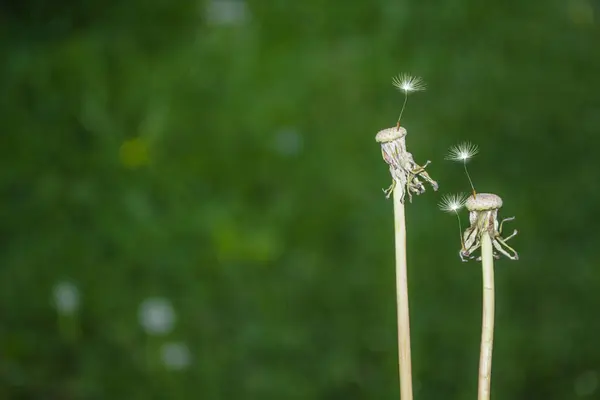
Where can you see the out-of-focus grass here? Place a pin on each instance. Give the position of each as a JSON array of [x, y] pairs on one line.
[[230, 167]]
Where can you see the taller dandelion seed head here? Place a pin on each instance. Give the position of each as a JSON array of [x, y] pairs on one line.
[[462, 152], [408, 177]]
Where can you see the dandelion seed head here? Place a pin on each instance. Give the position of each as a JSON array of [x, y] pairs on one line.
[[452, 202], [462, 152], [408, 83]]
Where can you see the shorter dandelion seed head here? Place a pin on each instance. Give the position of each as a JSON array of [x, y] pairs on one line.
[[452, 202], [462, 152], [407, 83]]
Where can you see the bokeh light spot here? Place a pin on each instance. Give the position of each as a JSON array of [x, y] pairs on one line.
[[586, 383], [580, 12], [134, 153], [175, 355]]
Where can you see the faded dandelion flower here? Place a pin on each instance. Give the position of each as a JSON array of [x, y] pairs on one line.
[[483, 216], [66, 298], [156, 315], [404, 170], [175, 355]]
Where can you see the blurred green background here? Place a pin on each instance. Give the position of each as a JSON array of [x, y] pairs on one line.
[[192, 204]]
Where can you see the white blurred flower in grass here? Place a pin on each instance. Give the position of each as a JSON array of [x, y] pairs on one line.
[[288, 142], [175, 355], [226, 12], [156, 315], [66, 297]]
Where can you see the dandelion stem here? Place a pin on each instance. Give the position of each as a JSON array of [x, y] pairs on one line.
[[487, 324], [462, 244], [404, 358], [469, 176], [402, 110]]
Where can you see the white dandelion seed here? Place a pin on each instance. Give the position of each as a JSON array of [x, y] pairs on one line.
[[407, 84], [156, 315], [462, 152], [452, 203]]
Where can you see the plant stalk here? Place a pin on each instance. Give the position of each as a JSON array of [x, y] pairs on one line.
[[404, 359], [487, 324]]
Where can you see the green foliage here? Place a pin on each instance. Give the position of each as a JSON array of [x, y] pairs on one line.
[[147, 150]]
